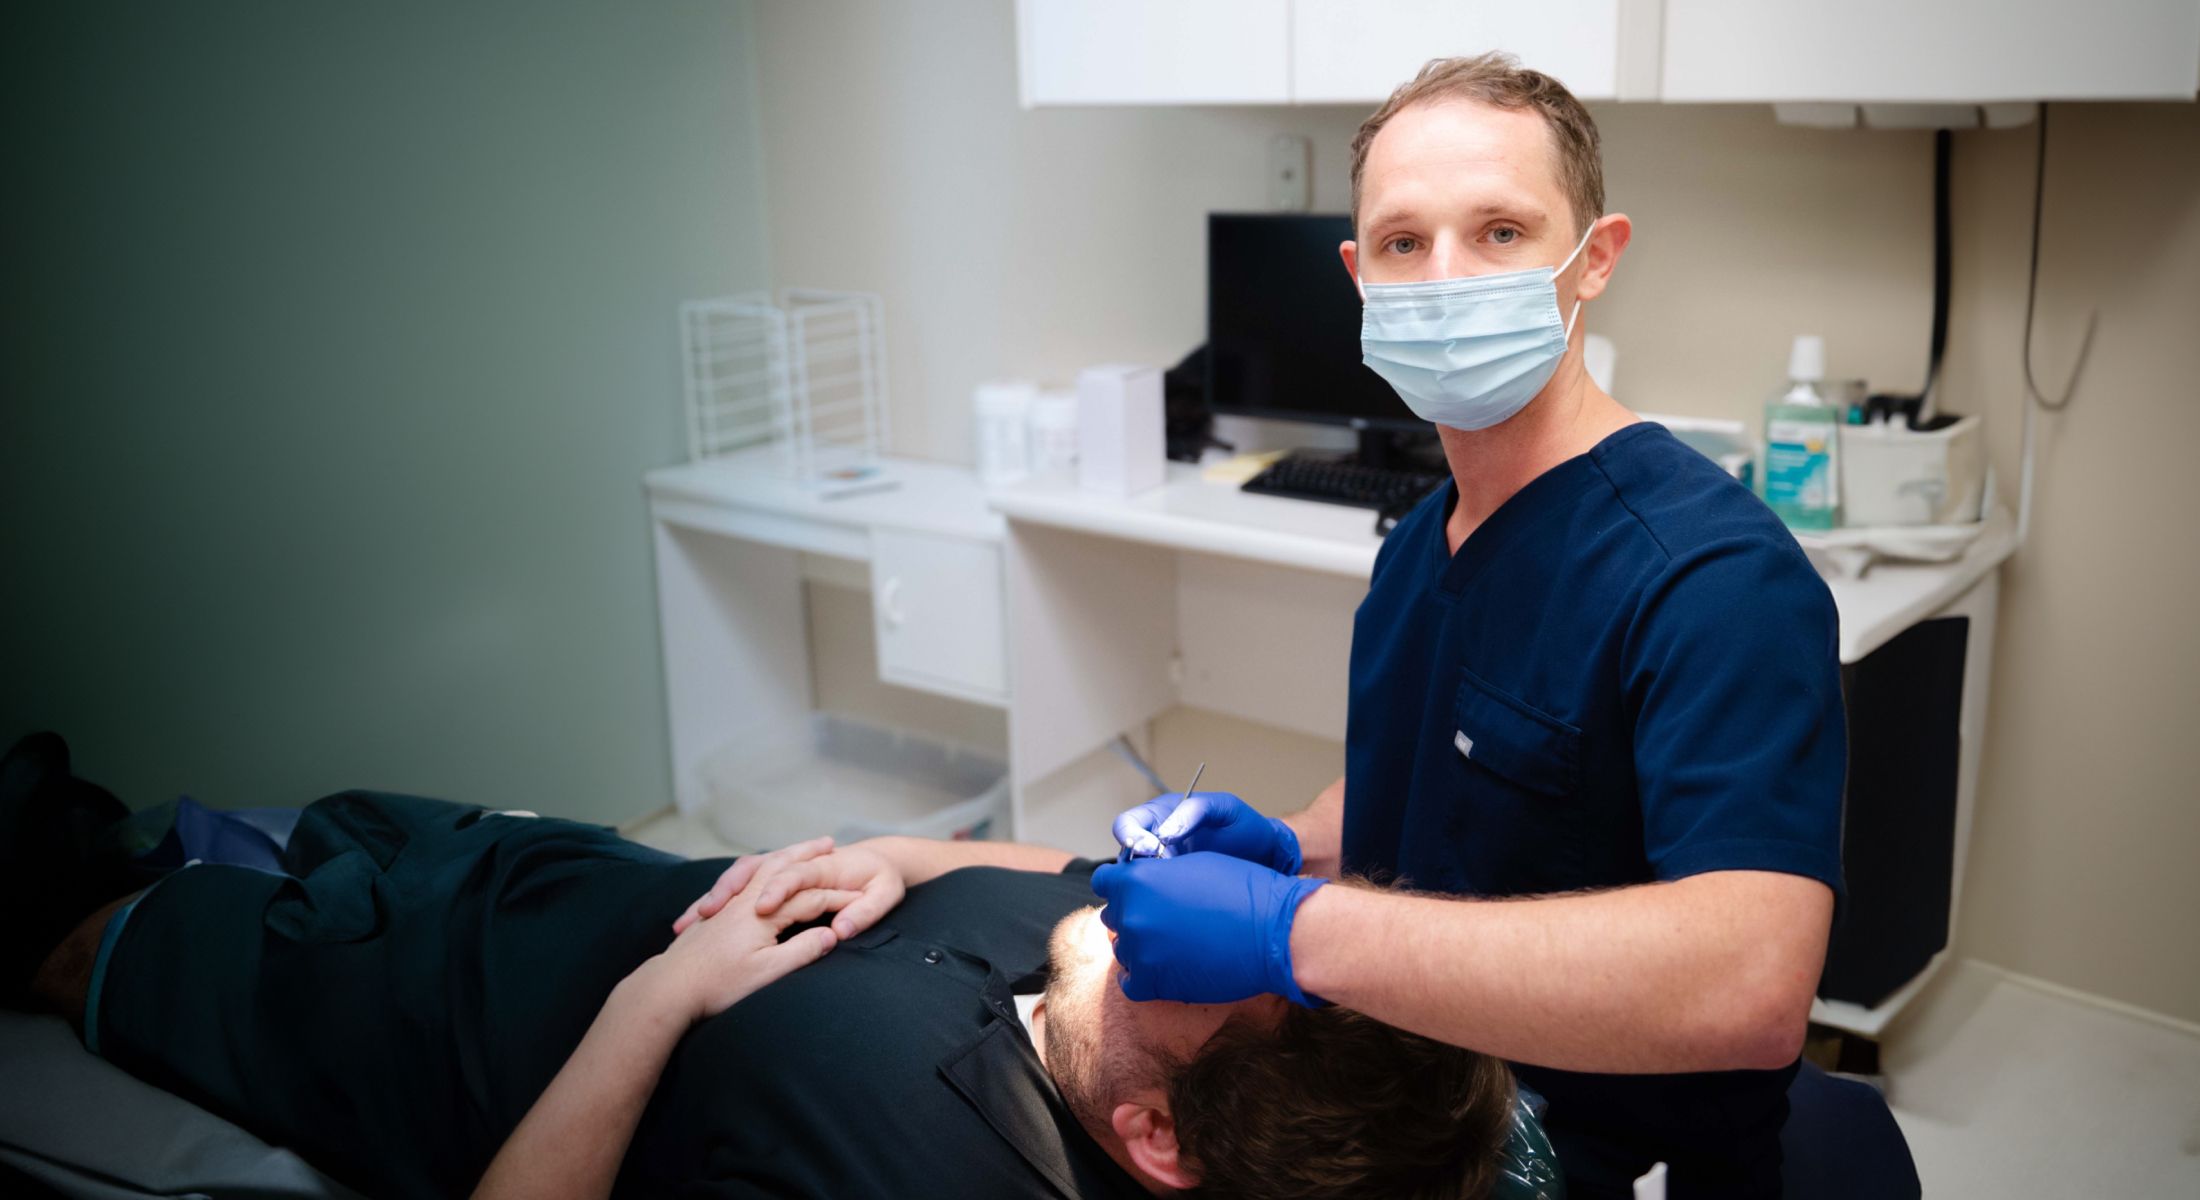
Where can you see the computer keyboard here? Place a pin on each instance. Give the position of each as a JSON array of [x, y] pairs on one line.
[[1389, 492]]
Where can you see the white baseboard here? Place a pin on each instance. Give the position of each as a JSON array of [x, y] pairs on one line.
[[631, 824], [2190, 1029]]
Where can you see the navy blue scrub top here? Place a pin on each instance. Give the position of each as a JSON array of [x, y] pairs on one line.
[[1628, 673]]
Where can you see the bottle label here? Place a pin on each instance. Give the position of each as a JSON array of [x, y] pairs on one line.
[[1799, 463]]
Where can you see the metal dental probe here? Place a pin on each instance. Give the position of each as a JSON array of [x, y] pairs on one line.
[[1193, 786]]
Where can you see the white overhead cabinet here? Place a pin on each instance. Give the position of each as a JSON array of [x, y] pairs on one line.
[[1293, 51], [1354, 52], [1154, 51], [1938, 51], [1686, 51]]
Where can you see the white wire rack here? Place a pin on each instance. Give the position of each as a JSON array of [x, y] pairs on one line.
[[805, 373]]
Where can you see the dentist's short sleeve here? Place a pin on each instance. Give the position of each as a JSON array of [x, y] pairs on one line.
[[1733, 670]]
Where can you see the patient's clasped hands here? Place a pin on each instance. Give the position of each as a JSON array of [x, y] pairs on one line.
[[727, 942], [872, 883]]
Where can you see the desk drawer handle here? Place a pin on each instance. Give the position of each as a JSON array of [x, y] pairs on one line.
[[889, 602]]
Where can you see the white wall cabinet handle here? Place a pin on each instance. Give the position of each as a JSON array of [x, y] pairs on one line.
[[889, 603]]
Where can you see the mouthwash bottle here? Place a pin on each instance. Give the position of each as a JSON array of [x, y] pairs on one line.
[[1801, 477]]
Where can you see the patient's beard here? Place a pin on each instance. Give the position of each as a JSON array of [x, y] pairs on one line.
[[1091, 1067]]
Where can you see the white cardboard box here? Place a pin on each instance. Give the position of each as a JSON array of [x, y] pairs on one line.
[[1892, 475], [1122, 444]]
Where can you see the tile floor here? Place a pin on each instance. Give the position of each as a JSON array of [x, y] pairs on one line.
[[2004, 1090]]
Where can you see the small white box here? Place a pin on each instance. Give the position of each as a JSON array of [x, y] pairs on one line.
[[1122, 445], [1892, 475]]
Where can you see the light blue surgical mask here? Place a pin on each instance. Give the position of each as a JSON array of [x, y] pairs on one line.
[[1468, 352]]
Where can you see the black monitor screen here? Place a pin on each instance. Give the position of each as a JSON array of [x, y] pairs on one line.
[[1283, 324]]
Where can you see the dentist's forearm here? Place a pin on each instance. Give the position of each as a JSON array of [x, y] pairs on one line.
[[1712, 972], [1320, 830]]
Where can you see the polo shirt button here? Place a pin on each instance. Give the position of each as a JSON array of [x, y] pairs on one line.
[[933, 956]]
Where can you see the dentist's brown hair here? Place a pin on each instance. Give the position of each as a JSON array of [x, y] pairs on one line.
[[1498, 80]]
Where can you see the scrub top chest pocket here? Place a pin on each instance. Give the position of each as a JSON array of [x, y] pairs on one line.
[[1517, 769]]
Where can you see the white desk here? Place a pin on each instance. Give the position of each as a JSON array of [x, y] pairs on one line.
[[735, 540], [1187, 513], [743, 496], [1101, 614]]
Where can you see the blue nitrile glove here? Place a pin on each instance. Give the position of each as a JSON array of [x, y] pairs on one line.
[[1170, 825], [1202, 928]]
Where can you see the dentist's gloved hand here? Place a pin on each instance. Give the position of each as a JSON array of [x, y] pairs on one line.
[[1202, 928], [1171, 825]]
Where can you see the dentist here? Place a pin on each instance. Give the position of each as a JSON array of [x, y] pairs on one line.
[[1595, 708]]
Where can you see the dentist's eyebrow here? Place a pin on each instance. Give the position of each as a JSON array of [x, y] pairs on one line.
[[1528, 214]]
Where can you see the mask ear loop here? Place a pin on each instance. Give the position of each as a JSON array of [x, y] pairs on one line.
[[1578, 248]]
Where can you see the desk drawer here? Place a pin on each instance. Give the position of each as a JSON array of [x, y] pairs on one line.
[[936, 605]]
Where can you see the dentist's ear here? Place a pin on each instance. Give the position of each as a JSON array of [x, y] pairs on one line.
[[1349, 250], [1606, 243], [1149, 1138]]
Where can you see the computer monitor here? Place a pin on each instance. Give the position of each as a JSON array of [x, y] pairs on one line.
[[1283, 326]]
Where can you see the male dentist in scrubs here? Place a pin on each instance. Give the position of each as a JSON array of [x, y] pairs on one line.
[[1595, 701]]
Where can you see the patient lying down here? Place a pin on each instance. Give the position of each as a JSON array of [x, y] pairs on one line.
[[439, 999]]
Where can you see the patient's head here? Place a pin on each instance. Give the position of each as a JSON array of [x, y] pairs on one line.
[[1263, 1098]]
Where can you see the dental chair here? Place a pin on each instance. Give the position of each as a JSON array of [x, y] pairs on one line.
[[1840, 1143], [1531, 1165]]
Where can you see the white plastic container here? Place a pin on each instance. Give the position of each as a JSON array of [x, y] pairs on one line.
[[1892, 475], [1053, 432], [853, 779], [1002, 426]]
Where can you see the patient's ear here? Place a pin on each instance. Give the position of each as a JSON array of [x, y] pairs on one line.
[[1149, 1137]]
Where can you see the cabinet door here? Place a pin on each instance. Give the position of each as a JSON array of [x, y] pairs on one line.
[[1961, 51], [936, 605], [1154, 51], [1350, 51]]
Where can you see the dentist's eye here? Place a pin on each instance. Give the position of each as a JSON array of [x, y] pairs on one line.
[[1401, 245]]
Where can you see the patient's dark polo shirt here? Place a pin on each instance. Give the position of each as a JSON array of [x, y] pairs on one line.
[[393, 1011], [1628, 673]]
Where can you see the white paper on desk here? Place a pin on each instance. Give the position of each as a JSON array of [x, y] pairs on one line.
[[1851, 552]]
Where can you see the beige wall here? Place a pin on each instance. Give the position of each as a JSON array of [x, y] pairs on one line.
[[1009, 242], [1012, 242], [2083, 859]]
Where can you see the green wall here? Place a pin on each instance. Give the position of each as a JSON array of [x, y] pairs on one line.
[[339, 338]]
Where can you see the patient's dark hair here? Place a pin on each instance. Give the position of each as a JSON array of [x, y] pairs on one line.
[[1332, 1103]]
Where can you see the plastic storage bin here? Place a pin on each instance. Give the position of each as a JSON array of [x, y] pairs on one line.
[[852, 779]]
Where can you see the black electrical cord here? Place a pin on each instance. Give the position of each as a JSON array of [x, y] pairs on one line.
[[2032, 289], [1943, 230]]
